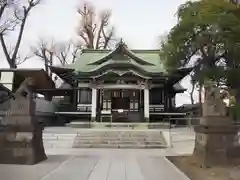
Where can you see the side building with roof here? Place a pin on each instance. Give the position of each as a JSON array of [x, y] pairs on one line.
[[10, 81], [120, 85]]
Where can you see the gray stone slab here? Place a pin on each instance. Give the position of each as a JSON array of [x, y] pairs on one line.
[[101, 169], [133, 171], [35, 172], [157, 168], [75, 168], [117, 170], [98, 164]]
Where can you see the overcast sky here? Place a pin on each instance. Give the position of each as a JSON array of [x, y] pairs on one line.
[[139, 22]]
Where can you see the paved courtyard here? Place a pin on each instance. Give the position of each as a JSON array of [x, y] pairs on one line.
[[97, 164], [105, 164]]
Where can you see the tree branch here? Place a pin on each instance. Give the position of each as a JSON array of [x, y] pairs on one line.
[[91, 29], [23, 60], [2, 8], [99, 34], [5, 51], [107, 38]]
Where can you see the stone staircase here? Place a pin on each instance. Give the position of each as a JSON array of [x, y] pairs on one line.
[[119, 139], [58, 140]]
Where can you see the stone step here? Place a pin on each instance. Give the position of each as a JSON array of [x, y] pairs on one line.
[[118, 141], [108, 139], [119, 138], [135, 146], [125, 135], [118, 134], [57, 140], [115, 137], [118, 131], [103, 139]]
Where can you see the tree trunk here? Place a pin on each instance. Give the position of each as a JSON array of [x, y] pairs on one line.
[[200, 98], [46, 68], [237, 96], [200, 94], [191, 94], [237, 105]]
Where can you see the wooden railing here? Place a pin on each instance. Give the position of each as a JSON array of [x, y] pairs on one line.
[[156, 108]]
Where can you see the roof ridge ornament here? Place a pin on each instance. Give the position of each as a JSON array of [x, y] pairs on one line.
[[121, 43]]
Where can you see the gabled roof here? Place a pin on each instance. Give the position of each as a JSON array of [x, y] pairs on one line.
[[123, 54], [92, 60], [4, 88], [178, 88], [189, 107]]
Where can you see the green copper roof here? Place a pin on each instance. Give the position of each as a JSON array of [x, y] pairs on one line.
[[96, 63], [92, 60]]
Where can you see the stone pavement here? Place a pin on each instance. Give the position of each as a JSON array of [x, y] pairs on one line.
[[97, 164], [105, 164]]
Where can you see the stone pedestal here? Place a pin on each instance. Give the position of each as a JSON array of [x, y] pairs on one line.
[[216, 137], [214, 145], [21, 138]]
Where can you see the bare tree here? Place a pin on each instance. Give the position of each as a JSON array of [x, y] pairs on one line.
[[94, 30], [18, 18], [52, 52], [45, 50], [66, 52]]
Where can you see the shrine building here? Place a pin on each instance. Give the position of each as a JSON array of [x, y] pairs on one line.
[[120, 85]]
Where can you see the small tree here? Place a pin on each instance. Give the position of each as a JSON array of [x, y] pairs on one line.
[[19, 12]]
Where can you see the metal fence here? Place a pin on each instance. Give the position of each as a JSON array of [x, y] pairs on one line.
[[181, 132]]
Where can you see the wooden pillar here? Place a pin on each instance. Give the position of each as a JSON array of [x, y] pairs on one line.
[[99, 97], [170, 102], [166, 102], [94, 104], [146, 104], [75, 97]]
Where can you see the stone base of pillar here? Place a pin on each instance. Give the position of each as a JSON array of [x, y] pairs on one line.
[[146, 120], [215, 145], [93, 119]]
